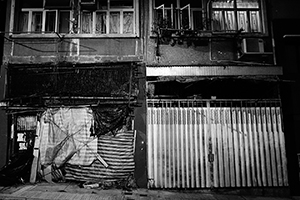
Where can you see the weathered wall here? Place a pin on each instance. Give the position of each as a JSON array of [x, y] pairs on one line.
[[202, 51], [85, 50], [3, 116], [288, 54], [285, 17], [3, 123], [212, 49]]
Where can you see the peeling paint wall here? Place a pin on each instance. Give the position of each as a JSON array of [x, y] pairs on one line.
[[207, 51]]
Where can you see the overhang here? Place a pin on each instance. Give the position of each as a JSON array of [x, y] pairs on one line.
[[224, 70]]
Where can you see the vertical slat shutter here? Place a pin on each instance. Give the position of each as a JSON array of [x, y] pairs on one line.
[[202, 146]]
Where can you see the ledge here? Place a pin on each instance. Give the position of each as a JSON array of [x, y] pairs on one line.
[[70, 36], [222, 70]]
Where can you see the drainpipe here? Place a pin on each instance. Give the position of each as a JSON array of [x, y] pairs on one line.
[[273, 44]]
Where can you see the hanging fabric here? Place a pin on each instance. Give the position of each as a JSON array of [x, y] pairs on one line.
[[111, 119], [64, 132]]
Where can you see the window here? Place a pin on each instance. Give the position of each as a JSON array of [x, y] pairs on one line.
[[44, 21], [110, 17], [233, 15], [31, 20], [179, 14], [97, 17], [43, 16]]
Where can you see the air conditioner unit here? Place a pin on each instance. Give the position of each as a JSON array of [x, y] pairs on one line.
[[253, 45], [87, 2]]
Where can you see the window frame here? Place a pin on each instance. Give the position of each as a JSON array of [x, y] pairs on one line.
[[235, 10], [177, 23], [44, 14], [30, 17], [108, 10], [14, 23]]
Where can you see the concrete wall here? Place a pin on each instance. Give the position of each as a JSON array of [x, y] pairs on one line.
[[79, 50]]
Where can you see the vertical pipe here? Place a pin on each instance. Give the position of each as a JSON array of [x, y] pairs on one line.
[[12, 17]]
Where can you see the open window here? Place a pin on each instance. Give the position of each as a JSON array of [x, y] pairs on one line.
[[233, 15], [179, 14]]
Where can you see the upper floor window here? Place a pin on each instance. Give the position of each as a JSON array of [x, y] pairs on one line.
[[179, 14], [77, 17], [43, 16], [44, 21], [110, 17], [233, 15]]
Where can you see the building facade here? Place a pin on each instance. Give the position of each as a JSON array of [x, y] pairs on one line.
[[73, 71], [213, 93], [195, 84]]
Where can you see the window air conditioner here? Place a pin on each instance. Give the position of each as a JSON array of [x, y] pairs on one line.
[[253, 45]]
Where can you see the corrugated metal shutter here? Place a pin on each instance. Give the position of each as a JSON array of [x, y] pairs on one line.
[[204, 144]]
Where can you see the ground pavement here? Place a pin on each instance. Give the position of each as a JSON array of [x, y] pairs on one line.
[[69, 191]]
